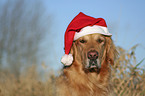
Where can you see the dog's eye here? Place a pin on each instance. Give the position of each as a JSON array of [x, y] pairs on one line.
[[83, 41], [99, 40]]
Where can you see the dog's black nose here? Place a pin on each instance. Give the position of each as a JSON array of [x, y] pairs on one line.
[[93, 55]]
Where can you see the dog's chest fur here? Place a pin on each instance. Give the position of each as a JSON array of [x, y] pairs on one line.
[[75, 82]]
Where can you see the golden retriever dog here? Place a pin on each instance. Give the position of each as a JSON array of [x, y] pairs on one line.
[[90, 72]]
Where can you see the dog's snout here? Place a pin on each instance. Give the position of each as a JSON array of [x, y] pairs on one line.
[[93, 55]]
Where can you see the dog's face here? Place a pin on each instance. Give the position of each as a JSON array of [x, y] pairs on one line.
[[90, 51]]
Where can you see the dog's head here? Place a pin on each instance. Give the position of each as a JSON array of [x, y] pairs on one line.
[[92, 51]]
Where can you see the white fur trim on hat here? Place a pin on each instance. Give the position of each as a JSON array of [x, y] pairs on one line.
[[91, 30], [67, 59]]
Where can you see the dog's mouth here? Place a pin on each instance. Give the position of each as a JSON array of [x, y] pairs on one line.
[[93, 66], [93, 62]]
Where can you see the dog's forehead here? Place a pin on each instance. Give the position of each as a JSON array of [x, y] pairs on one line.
[[96, 36], [92, 36]]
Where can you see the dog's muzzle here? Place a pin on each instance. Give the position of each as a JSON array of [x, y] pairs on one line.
[[93, 60]]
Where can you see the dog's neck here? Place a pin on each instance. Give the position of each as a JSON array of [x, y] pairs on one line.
[[78, 80], [75, 72]]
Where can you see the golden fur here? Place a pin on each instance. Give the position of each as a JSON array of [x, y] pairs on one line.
[[76, 80]]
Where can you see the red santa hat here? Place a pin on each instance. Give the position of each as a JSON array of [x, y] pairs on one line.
[[80, 26]]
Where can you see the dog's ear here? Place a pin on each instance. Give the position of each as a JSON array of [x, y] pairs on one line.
[[74, 51], [111, 52]]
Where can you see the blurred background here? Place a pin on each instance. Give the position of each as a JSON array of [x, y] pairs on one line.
[[32, 41]]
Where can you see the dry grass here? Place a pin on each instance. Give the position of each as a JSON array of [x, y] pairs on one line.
[[127, 76], [27, 84]]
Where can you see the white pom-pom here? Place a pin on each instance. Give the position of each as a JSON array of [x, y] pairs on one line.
[[67, 59]]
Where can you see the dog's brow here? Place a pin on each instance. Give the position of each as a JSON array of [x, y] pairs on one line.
[[86, 37], [101, 38], [96, 36]]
